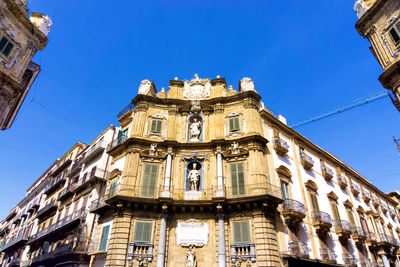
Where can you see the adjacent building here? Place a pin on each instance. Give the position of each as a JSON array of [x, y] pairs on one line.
[[203, 175], [379, 22], [20, 38]]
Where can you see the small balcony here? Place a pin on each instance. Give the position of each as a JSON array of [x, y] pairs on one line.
[[392, 212], [342, 181], [281, 147], [375, 201], [140, 251], [342, 228], [327, 172], [75, 168], [254, 191], [55, 184], [34, 205], [18, 240], [322, 221], [243, 252], [116, 142], [355, 189], [306, 161], [49, 207], [97, 205], [327, 255], [66, 192], [125, 110], [293, 211], [384, 207], [349, 260], [297, 250], [93, 152], [15, 262], [95, 175], [384, 240], [371, 239], [60, 167], [359, 236], [366, 195], [131, 192]]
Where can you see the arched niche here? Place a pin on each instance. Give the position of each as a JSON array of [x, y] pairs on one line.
[[193, 118], [188, 168]]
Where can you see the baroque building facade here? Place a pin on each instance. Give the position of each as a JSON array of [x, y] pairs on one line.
[[20, 38], [379, 22], [201, 175]]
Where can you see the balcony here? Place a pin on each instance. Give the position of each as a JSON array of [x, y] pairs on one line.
[[349, 260], [355, 189], [15, 262], [67, 191], [326, 172], [306, 161], [69, 220], [57, 182], [280, 146], [297, 250], [254, 191], [66, 253], [384, 240], [131, 192], [95, 151], [384, 207], [371, 239], [366, 196], [140, 251], [321, 221], [94, 175], [76, 168], [17, 240], [34, 205], [243, 252], [375, 201], [342, 181], [342, 228], [293, 211], [116, 142], [392, 212], [327, 255], [97, 205], [359, 236], [60, 167], [51, 206], [125, 110]]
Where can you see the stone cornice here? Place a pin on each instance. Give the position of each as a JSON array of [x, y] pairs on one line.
[[390, 76], [363, 21]]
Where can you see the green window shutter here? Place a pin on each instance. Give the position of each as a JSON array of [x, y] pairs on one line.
[[285, 190], [149, 180], [156, 126], [113, 188], [104, 238], [142, 232], [241, 232], [237, 179], [314, 202], [234, 124]]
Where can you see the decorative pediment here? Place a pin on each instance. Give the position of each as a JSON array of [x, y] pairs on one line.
[[347, 203], [114, 173], [284, 171], [311, 185], [361, 209], [331, 195]]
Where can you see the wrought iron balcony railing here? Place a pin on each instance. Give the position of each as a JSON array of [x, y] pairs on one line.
[[306, 161], [355, 189], [60, 167], [95, 173], [93, 152], [54, 184], [116, 142], [47, 208], [342, 181], [327, 255], [359, 235], [243, 251], [349, 260], [281, 146], [297, 249], [320, 216], [366, 195], [342, 227], [126, 109], [327, 172], [293, 205], [22, 237], [75, 168]]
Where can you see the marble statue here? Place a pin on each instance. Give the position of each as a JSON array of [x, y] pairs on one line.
[[144, 87], [191, 257], [195, 130], [194, 177], [153, 149], [235, 147], [246, 84]]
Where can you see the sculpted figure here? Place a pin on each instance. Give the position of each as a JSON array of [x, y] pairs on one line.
[[235, 147], [191, 258], [194, 177], [153, 149], [195, 130]]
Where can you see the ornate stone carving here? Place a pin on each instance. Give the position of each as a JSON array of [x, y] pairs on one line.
[[194, 177], [195, 108], [192, 233], [197, 88], [191, 258], [141, 107], [250, 103], [144, 87], [235, 148], [195, 129], [246, 84], [153, 149]]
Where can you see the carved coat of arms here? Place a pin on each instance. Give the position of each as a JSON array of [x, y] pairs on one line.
[[197, 88]]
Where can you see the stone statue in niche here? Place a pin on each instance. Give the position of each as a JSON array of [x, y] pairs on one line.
[[195, 129], [153, 149], [235, 147], [194, 177], [191, 257]]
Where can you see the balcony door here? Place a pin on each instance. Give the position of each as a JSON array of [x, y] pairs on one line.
[[237, 179], [285, 190]]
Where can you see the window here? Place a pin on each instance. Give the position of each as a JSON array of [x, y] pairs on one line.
[[6, 46], [113, 189], [155, 126], [335, 211], [234, 124], [142, 232], [395, 33], [104, 238], [285, 190], [149, 180], [314, 202], [364, 225], [237, 179], [241, 232], [351, 217]]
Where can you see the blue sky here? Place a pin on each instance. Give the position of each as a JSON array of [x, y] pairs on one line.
[[305, 57]]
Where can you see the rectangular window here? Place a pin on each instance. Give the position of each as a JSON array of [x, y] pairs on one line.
[[237, 179], [241, 232], [314, 202], [142, 232], [395, 33], [335, 211], [364, 225], [113, 189], [285, 190], [234, 124], [351, 217], [149, 180], [155, 126], [6, 46], [104, 238]]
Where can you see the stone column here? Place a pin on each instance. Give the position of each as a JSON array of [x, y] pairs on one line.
[[221, 238], [168, 169], [162, 237], [220, 175]]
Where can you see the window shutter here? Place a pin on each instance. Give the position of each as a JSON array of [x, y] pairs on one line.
[[285, 190], [351, 217], [142, 232], [236, 232], [314, 202], [234, 124], [155, 126], [335, 211], [237, 178], [231, 125], [234, 180], [240, 175], [149, 180], [112, 189], [241, 232], [158, 127], [103, 238]]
